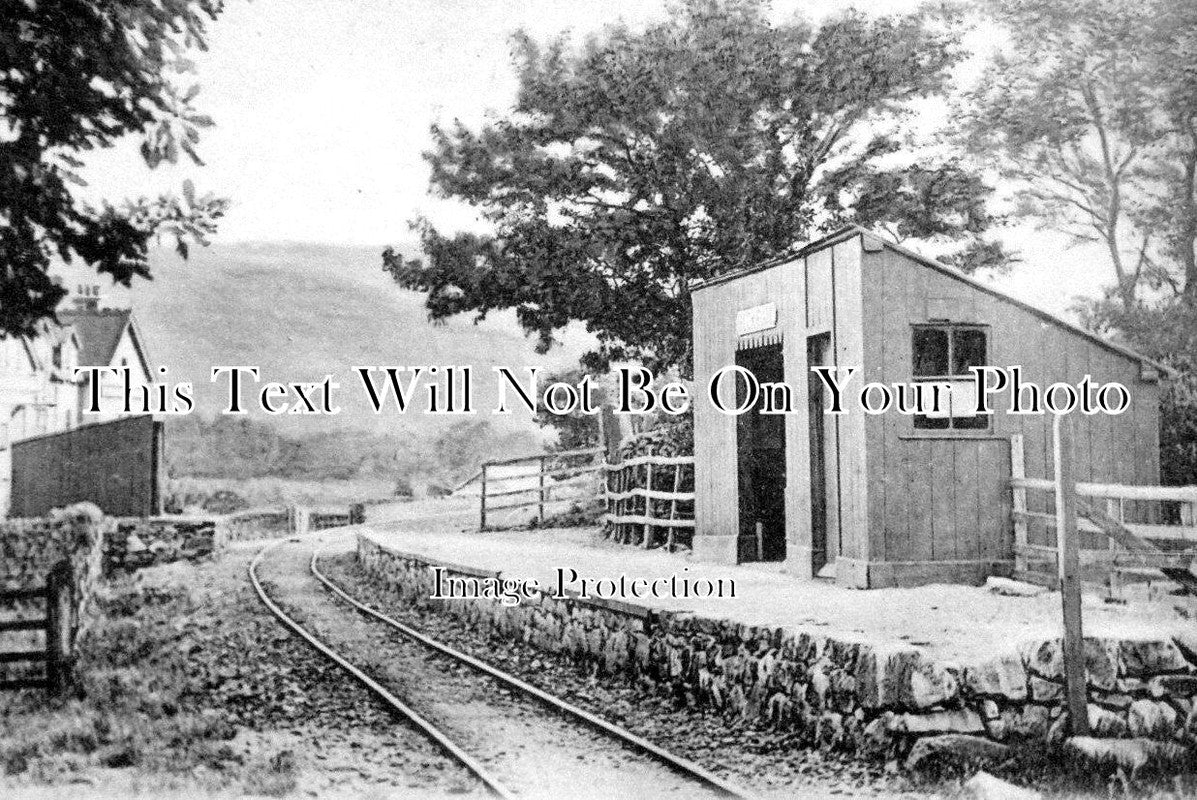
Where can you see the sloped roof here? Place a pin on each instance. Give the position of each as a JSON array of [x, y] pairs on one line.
[[99, 332], [854, 230]]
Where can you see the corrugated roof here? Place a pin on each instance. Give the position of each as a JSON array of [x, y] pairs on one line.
[[853, 230]]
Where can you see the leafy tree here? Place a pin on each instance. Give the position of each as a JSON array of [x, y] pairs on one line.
[[636, 163], [1090, 107], [1167, 332], [77, 75], [1174, 62]]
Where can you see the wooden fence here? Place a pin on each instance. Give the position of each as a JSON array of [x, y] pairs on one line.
[[118, 465], [1135, 531], [58, 623], [645, 496], [543, 475]]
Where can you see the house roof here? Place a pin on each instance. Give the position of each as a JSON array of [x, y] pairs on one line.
[[99, 332], [855, 230]]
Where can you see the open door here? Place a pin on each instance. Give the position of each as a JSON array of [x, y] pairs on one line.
[[761, 457]]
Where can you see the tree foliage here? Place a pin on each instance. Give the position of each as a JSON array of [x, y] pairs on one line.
[[1167, 332], [638, 162], [77, 75], [1091, 107]]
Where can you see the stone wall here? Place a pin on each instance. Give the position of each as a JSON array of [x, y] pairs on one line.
[[882, 701], [267, 523], [30, 547], [138, 543], [28, 550]]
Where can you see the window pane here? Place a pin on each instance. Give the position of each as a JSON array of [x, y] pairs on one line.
[[929, 423], [968, 350], [978, 422], [930, 352]]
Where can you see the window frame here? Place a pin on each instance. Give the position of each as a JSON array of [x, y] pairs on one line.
[[949, 327]]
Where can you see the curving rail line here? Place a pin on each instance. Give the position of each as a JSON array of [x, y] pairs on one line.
[[682, 765], [431, 731]]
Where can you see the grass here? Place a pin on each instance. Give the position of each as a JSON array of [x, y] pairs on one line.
[[143, 704]]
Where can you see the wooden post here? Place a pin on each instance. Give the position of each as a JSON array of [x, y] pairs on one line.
[[482, 501], [609, 439], [760, 540], [677, 487], [609, 434], [1018, 471], [648, 505], [540, 508], [60, 633], [1068, 562]]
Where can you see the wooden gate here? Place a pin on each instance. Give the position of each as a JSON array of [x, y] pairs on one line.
[[511, 484], [58, 623], [1124, 531]]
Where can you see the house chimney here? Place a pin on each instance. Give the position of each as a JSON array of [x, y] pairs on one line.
[[87, 298]]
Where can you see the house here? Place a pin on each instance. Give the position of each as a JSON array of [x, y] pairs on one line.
[[890, 499], [38, 392], [109, 337]]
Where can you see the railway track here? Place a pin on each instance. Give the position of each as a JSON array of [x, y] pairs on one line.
[[489, 768]]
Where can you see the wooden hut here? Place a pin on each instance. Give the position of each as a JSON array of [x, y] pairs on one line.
[[889, 499]]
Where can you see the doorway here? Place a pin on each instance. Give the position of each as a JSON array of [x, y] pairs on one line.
[[761, 462], [824, 493]]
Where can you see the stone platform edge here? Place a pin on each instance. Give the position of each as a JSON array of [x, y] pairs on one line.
[[885, 701]]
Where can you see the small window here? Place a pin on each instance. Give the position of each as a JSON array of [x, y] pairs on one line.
[[946, 354], [56, 355]]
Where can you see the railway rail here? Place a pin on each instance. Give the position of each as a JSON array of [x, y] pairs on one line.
[[693, 773]]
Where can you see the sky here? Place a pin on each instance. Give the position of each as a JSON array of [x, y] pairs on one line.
[[322, 111]]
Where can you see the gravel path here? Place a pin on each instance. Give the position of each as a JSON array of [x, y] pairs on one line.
[[532, 749], [767, 762]]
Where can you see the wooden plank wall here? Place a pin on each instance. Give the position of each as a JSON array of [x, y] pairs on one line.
[[936, 497], [851, 440], [117, 465], [715, 342]]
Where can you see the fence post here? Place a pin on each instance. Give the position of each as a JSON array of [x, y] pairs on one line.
[[609, 438], [60, 629], [482, 501], [648, 505], [1018, 471], [540, 508], [677, 487], [1068, 563]]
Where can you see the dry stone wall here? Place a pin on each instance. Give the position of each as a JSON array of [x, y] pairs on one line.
[[29, 548], [259, 524], [138, 543], [887, 702]]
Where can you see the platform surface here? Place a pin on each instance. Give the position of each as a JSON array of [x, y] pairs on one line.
[[955, 623]]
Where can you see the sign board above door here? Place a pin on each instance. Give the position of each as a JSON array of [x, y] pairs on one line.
[[757, 318]]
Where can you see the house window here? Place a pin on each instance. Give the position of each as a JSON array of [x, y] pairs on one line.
[[945, 354]]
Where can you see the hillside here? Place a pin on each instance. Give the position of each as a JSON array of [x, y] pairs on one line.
[[300, 312]]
